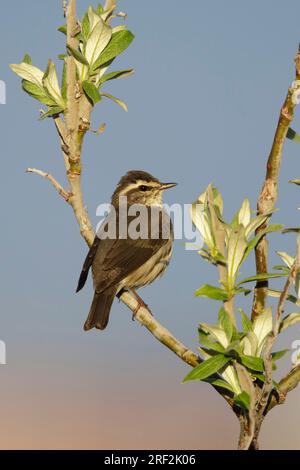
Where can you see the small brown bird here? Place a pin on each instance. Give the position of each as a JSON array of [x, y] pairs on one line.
[[125, 263]]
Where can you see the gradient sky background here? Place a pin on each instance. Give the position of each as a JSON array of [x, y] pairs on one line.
[[203, 105]]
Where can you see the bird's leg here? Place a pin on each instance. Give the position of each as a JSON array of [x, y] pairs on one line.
[[141, 303], [119, 294]]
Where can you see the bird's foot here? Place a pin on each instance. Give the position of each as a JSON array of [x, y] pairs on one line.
[[141, 304]]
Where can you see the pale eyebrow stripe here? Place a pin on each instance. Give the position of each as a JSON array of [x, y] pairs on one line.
[[136, 185]]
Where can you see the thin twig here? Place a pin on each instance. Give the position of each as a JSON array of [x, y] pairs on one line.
[[64, 7], [65, 194], [62, 130], [269, 193]]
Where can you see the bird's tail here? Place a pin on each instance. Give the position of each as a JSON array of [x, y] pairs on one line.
[[100, 309]]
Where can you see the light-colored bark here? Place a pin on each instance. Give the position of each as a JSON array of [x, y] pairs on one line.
[[269, 193]]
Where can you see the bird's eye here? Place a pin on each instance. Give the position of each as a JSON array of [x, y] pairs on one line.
[[143, 188]]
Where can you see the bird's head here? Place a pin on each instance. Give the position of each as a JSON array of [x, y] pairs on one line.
[[140, 188]]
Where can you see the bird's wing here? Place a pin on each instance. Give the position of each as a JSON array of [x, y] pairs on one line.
[[114, 259], [114, 262], [88, 263]]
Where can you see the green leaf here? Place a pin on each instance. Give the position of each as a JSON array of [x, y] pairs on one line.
[[85, 27], [237, 245], [212, 292], [201, 218], [259, 376], [291, 230], [91, 92], [37, 93], [216, 332], [243, 400], [254, 241], [279, 354], [290, 320], [116, 100], [234, 224], [262, 277], [249, 344], [27, 59], [205, 341], [77, 55], [61, 56], [119, 42], [234, 349], [226, 323], [97, 41], [121, 27], [50, 83], [277, 293], [292, 135], [244, 214], [282, 268], [207, 368], [28, 72], [100, 9], [107, 14], [246, 322], [286, 258], [63, 29], [220, 383], [251, 362], [64, 82], [263, 325], [242, 291], [115, 75], [230, 375], [53, 111], [255, 223]]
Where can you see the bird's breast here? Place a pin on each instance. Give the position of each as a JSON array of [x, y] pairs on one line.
[[151, 270]]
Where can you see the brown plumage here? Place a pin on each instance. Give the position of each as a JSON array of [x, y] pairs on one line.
[[127, 263]]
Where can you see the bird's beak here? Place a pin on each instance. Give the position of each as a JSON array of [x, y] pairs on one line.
[[164, 186]]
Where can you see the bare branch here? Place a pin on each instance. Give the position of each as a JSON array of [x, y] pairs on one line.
[[291, 381], [72, 133], [71, 114], [65, 194], [62, 130], [269, 193]]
